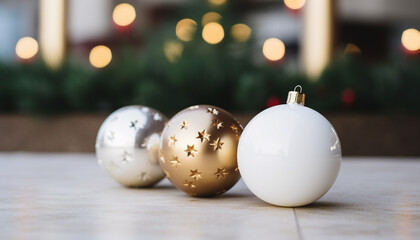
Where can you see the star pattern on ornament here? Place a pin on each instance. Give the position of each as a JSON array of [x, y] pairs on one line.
[[185, 124], [239, 124], [111, 136], [234, 128], [191, 150], [174, 161], [126, 157], [213, 111], [172, 141], [221, 173], [161, 156], [217, 123], [166, 173], [217, 144], [189, 184], [203, 136], [196, 174], [157, 117], [135, 124], [143, 176]]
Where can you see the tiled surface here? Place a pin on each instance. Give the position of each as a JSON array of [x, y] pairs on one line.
[[68, 196], [372, 199]]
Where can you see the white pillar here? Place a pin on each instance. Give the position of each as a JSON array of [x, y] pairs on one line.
[[52, 31], [317, 37]]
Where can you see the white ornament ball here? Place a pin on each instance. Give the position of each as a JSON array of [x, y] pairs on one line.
[[289, 155], [127, 146]]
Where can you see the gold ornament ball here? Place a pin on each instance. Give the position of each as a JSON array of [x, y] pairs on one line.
[[198, 150]]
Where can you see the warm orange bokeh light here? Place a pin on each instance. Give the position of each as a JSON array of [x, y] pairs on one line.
[[210, 17], [185, 29], [410, 39], [100, 56], [26, 48], [124, 14], [217, 2], [274, 49], [213, 33], [352, 49], [173, 50], [240, 32], [294, 4]]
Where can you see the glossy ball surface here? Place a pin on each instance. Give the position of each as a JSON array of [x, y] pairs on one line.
[[198, 150], [289, 155], [127, 146]]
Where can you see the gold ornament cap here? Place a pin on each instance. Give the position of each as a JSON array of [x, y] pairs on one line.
[[296, 97]]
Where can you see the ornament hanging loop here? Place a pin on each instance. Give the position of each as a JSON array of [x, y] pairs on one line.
[[296, 97], [298, 86]]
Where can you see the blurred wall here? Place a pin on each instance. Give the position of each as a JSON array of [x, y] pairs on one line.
[[17, 18], [379, 10], [89, 20]]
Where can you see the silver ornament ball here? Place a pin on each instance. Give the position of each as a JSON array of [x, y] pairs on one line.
[[127, 146]]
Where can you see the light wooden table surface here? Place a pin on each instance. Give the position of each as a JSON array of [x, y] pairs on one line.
[[68, 196]]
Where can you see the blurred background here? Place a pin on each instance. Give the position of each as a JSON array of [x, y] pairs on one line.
[[66, 64]]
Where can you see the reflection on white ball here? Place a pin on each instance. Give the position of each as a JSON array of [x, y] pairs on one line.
[[289, 155]]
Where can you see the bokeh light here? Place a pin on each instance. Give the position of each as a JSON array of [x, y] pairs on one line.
[[352, 49], [294, 4], [274, 49], [173, 50], [124, 14], [213, 33], [217, 2], [100, 56], [26, 48], [210, 17], [240, 32], [410, 39], [348, 97], [185, 29]]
